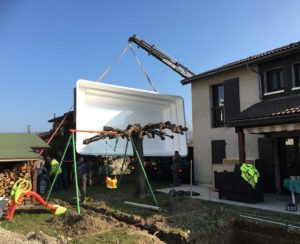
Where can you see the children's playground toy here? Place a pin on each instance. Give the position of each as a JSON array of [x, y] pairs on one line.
[[111, 183], [22, 189]]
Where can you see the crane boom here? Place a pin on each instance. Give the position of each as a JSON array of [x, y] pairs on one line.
[[152, 50]]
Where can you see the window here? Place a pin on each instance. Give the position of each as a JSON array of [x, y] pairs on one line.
[[217, 105], [296, 75], [274, 81]]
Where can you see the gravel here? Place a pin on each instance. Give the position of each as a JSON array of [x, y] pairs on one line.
[[31, 238]]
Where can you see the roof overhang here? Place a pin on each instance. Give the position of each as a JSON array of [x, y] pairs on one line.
[[255, 122], [273, 128], [68, 114], [266, 56]]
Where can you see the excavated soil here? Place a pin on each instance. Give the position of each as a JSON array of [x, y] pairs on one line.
[[167, 228], [185, 220], [90, 223], [182, 220]]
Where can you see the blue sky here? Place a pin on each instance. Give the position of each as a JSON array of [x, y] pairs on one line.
[[46, 46]]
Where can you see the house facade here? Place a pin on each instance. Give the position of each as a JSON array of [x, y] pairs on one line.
[[249, 110]]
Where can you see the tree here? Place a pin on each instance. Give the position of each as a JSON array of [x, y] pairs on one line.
[[136, 133]]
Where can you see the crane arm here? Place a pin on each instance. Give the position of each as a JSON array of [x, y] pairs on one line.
[[152, 50]]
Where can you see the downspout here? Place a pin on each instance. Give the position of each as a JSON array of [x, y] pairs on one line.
[[241, 146]]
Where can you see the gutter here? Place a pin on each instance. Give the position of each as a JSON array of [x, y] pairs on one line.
[[254, 122], [217, 71], [247, 61]]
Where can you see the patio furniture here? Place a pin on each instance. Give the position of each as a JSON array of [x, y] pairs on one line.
[[232, 186], [293, 186]]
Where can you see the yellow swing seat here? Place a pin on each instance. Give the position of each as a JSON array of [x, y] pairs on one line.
[[111, 183]]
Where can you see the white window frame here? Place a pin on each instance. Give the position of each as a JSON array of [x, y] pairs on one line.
[[294, 78], [265, 81], [211, 107]]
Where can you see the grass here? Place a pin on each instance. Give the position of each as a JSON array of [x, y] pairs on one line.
[[24, 222], [209, 218], [114, 198]]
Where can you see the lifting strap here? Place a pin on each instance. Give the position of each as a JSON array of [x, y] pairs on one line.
[[138, 61], [109, 67], [111, 183], [122, 168], [114, 183], [142, 68]]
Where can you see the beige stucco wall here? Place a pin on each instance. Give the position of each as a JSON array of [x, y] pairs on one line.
[[203, 133]]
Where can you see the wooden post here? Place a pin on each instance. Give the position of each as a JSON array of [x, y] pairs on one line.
[[139, 176], [34, 180], [241, 146]]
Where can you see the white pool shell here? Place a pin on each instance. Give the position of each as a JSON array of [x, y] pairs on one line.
[[99, 105]]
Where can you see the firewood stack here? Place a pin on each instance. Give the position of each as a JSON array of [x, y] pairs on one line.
[[8, 177]]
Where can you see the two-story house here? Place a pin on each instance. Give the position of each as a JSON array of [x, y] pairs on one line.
[[249, 110]]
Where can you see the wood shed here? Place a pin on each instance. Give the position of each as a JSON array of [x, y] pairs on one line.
[[19, 157]]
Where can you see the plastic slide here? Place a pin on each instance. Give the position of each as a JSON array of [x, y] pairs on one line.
[[21, 190]]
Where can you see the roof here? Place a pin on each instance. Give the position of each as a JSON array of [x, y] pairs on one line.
[[68, 114], [246, 61], [44, 135], [19, 147], [267, 112]]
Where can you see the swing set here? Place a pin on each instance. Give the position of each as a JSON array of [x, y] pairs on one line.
[[113, 183], [110, 183]]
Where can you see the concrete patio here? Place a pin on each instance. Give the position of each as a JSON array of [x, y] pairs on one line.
[[274, 202]]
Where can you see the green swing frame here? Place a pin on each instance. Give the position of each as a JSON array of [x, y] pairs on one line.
[[72, 139]]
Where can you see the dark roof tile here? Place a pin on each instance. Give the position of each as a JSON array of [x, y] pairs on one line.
[[239, 63], [269, 109]]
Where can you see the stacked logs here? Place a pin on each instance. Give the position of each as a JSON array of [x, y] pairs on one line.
[[8, 177]]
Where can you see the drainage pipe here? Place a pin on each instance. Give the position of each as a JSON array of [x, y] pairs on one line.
[[269, 221], [142, 205]]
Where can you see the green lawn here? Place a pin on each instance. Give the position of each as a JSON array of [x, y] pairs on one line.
[[24, 222], [189, 217]]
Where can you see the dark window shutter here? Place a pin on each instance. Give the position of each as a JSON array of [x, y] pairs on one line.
[[231, 98], [218, 151]]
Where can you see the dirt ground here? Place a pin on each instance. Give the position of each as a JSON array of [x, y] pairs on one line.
[[176, 223], [31, 238], [105, 218], [90, 223]]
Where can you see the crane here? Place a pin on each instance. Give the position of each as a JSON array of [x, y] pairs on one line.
[[152, 50]]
